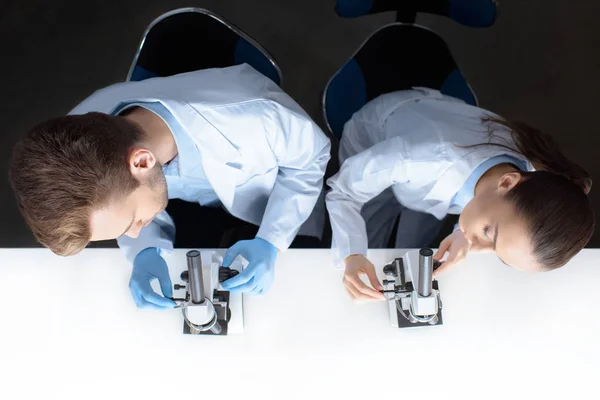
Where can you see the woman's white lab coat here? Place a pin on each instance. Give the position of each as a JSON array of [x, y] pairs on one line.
[[405, 145], [262, 154]]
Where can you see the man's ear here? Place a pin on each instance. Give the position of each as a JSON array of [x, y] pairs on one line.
[[141, 162], [509, 181]]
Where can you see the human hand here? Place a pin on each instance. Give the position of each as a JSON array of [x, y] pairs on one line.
[[457, 246], [357, 265], [258, 276], [148, 266]]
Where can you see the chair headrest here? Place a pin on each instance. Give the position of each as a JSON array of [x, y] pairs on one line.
[[473, 13]]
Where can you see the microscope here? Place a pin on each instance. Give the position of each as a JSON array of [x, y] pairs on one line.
[[206, 309], [413, 296]]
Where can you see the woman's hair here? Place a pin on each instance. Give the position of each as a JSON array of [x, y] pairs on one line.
[[553, 199]]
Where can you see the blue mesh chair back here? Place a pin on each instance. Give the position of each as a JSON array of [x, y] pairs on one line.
[[192, 39], [396, 57]]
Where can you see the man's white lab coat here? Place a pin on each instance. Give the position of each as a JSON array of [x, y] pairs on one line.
[[263, 155]]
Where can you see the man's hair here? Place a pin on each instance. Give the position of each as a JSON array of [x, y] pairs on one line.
[[65, 168]]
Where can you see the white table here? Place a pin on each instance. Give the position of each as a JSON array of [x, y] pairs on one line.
[[71, 331]]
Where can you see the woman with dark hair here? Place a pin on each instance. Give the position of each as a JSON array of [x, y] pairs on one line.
[[418, 155]]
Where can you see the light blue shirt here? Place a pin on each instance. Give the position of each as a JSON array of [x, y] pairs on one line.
[[467, 191], [263, 156], [196, 190]]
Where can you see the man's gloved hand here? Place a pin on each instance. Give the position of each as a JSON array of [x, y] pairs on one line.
[[259, 274], [148, 266]]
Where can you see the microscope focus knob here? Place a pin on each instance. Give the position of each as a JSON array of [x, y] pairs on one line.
[[226, 273], [185, 276], [390, 270]]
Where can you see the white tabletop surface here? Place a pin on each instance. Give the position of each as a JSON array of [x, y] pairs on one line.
[[71, 331]]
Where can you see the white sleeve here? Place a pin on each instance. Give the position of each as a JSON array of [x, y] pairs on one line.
[[160, 233], [302, 151], [361, 178]]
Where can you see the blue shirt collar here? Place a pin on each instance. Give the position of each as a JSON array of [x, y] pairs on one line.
[[188, 156], [467, 191]]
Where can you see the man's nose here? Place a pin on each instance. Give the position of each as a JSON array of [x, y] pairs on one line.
[[134, 232]]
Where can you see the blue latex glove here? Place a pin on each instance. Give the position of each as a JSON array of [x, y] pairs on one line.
[[148, 266], [258, 275]]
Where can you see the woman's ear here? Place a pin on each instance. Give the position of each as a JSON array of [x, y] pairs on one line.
[[141, 162], [509, 181]]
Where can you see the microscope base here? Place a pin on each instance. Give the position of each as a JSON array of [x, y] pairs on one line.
[[398, 320], [221, 303]]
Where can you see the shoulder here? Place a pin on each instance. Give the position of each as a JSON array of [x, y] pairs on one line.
[[203, 89], [102, 100]]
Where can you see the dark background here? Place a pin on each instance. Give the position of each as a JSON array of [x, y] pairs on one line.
[[539, 62]]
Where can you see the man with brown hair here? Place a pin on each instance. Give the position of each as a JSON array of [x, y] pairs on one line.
[[227, 137]]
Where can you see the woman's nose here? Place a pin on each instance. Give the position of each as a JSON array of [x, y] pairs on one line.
[[481, 245], [469, 238]]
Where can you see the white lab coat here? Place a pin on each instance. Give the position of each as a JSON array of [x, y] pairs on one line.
[[263, 155], [404, 147]]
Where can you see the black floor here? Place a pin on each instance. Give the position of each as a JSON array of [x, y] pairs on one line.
[[539, 62]]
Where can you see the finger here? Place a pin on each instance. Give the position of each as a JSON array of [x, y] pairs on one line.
[[440, 270], [458, 255], [137, 297], [439, 254], [452, 260], [166, 287], [240, 279], [256, 290], [352, 292], [364, 290], [144, 304], [244, 288], [444, 267], [266, 281], [231, 254], [352, 296], [361, 297], [372, 275], [156, 299]]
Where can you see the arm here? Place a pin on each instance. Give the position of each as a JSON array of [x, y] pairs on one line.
[[361, 178], [302, 151]]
